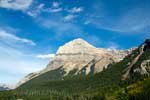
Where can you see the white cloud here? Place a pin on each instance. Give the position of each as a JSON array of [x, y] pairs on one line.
[[15, 4], [47, 56], [55, 7], [76, 10], [40, 6], [5, 36], [54, 10], [55, 4], [36, 11], [30, 13], [15, 64], [67, 29], [69, 17], [17, 60]]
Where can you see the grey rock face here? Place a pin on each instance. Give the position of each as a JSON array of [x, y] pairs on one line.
[[145, 67]]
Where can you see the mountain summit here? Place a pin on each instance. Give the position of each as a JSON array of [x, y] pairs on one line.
[[76, 46], [79, 54], [79, 57], [72, 74]]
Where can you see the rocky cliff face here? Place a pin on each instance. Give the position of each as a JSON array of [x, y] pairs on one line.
[[81, 56], [140, 63], [78, 54], [75, 55], [120, 54]]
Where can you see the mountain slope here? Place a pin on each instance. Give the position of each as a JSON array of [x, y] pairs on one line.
[[78, 57], [141, 63], [110, 77], [106, 85]]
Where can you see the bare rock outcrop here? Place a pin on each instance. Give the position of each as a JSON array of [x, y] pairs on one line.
[[145, 65], [82, 56]]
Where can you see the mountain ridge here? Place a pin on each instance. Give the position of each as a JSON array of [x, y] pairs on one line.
[[107, 84], [81, 56], [144, 65]]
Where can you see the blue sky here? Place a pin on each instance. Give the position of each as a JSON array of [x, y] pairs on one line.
[[32, 30]]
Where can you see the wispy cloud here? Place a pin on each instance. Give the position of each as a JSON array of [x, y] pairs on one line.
[[75, 10], [5, 36], [124, 20], [35, 11], [55, 4], [17, 59], [69, 17], [15, 64], [60, 27], [54, 8], [15, 4], [136, 20], [46, 56]]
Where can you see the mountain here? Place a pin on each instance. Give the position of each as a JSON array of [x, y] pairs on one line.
[[4, 87], [79, 57], [140, 64], [127, 79]]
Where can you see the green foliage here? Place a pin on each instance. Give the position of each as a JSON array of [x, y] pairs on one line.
[[137, 91], [46, 95]]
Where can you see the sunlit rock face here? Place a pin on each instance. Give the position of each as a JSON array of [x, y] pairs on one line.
[[81, 56], [78, 53], [76, 46]]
